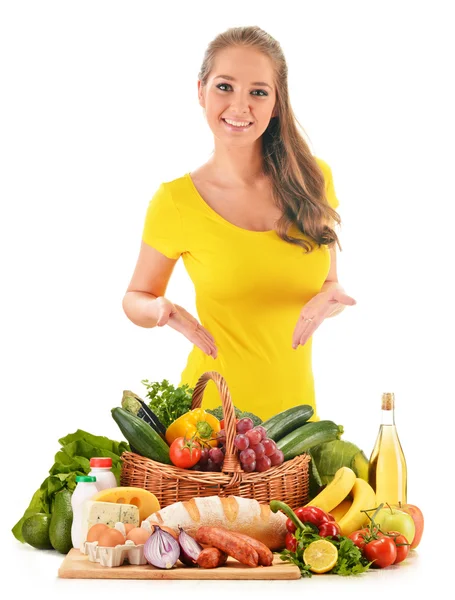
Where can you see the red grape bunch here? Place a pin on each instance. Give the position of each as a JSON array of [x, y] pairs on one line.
[[256, 451]]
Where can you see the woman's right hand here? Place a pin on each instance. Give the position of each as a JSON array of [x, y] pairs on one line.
[[179, 319]]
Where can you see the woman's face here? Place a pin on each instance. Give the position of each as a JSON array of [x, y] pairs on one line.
[[239, 88]]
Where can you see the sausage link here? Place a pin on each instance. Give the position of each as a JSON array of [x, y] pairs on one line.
[[265, 554], [211, 557], [230, 544]]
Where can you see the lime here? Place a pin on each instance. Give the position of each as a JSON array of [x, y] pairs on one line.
[[35, 531], [321, 556]]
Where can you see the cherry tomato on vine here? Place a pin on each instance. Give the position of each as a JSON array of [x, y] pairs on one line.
[[184, 453], [382, 551], [401, 544], [358, 537]]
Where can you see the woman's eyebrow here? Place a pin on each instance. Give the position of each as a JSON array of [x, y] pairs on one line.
[[264, 83]]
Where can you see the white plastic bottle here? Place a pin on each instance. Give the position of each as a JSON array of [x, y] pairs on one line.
[[85, 490], [100, 467]]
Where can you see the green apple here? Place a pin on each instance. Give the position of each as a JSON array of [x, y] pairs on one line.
[[417, 515], [393, 519]]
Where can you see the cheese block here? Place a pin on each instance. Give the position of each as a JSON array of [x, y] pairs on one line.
[[146, 502], [108, 513]]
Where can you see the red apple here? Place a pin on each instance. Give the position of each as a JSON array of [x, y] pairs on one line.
[[417, 516]]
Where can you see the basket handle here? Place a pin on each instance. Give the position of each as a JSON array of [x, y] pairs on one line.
[[231, 462]]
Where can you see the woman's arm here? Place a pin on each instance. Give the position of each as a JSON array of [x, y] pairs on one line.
[[149, 281], [331, 283]]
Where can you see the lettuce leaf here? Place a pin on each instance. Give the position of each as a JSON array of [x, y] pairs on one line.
[[71, 460]]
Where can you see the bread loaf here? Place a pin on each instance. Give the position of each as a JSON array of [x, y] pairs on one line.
[[244, 515]]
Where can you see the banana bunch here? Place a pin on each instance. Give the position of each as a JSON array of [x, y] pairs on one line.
[[334, 499]]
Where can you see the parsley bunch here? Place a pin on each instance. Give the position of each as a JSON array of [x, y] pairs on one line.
[[168, 402]]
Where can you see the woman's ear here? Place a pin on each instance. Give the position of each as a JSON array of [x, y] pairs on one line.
[[200, 93]]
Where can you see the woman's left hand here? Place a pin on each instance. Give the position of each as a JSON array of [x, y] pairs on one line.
[[315, 311]]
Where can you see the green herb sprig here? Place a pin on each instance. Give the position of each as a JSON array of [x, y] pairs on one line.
[[167, 401]]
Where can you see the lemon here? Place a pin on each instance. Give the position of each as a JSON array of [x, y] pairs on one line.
[[321, 556]]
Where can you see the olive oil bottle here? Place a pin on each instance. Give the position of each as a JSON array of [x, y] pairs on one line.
[[387, 472]]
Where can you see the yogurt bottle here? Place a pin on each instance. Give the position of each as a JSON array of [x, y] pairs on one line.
[[100, 467], [85, 490]]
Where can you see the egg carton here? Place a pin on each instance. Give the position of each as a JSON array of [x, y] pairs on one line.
[[114, 557], [117, 555]]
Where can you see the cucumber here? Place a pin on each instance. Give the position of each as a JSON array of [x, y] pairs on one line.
[[306, 437], [140, 435], [284, 422]]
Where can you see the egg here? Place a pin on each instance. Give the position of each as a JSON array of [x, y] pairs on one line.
[[138, 535], [128, 527], [95, 531], [111, 538]]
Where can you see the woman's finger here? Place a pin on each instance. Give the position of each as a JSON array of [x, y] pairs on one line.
[[163, 318], [343, 298], [300, 329], [192, 331], [308, 332], [192, 319], [206, 339]]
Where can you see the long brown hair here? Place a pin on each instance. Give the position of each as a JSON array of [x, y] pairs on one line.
[[298, 183]]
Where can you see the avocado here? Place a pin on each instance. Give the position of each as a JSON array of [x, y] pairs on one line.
[[61, 521], [35, 531]]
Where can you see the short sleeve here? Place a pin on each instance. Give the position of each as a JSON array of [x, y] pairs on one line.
[[329, 186], [163, 228]]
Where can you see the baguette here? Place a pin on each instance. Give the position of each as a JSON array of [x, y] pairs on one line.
[[243, 515]]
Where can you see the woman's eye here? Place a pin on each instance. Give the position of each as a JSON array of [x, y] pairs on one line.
[[263, 92]]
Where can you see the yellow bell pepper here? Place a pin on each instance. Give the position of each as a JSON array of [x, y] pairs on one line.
[[197, 423]]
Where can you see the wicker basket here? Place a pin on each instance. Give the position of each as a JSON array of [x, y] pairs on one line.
[[288, 482]]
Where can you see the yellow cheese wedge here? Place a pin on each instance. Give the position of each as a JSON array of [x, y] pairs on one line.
[[146, 502]]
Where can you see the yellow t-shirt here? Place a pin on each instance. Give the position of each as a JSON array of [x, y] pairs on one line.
[[250, 288]]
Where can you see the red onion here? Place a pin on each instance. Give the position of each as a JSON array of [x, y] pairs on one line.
[[161, 549], [189, 549]]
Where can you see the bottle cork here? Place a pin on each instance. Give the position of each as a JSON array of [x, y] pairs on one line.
[[388, 401]]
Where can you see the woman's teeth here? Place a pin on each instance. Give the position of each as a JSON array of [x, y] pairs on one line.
[[240, 125]]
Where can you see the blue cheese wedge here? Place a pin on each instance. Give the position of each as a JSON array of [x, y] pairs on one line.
[[108, 513]]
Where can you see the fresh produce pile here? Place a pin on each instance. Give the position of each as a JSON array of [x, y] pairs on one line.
[[341, 530], [172, 433]]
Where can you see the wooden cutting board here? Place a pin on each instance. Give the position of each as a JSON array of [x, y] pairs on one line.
[[77, 566]]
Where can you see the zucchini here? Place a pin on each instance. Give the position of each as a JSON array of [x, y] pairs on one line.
[[306, 437], [141, 436], [284, 422]]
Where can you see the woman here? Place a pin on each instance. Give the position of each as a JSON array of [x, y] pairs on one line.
[[255, 228]]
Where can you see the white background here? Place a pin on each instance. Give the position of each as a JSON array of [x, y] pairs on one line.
[[99, 106]]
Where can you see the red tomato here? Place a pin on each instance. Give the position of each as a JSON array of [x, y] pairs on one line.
[[312, 514], [184, 453], [358, 537], [382, 552], [402, 545], [290, 542]]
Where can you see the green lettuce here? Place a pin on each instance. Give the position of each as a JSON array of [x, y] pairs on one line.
[[71, 460]]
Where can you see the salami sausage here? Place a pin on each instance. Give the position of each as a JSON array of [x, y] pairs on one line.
[[229, 543], [265, 554], [211, 557]]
